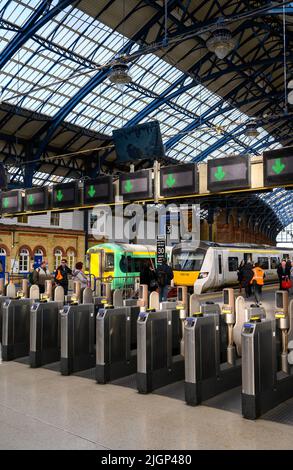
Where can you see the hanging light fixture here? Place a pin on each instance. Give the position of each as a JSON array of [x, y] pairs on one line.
[[251, 129], [221, 42], [119, 75]]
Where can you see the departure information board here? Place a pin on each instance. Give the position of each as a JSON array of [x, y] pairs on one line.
[[65, 195], [136, 185], [278, 166], [98, 190], [36, 199], [229, 173], [11, 201], [178, 180]]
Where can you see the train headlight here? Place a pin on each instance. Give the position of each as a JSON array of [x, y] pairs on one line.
[[203, 275]]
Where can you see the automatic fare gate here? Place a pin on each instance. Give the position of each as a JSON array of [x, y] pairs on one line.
[[16, 328], [159, 362], [116, 342], [44, 333], [77, 338]]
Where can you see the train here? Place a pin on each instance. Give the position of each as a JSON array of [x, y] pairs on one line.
[[200, 266]]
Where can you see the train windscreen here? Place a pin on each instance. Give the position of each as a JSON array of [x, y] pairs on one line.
[[188, 260]]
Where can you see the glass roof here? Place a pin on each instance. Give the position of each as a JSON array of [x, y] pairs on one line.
[[57, 62]]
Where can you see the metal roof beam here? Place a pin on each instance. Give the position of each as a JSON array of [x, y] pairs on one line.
[[32, 25]]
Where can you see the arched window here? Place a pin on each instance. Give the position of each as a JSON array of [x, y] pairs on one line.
[[24, 261], [2, 252], [58, 257], [71, 259]]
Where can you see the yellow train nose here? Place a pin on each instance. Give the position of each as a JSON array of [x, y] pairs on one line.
[[185, 278]]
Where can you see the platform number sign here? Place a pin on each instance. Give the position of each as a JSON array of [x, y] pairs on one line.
[[177, 180], [161, 250], [11, 202], [98, 190], [65, 195], [229, 173], [36, 199], [278, 166], [138, 185]]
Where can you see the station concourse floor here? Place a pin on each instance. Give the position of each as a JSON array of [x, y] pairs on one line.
[[40, 409]]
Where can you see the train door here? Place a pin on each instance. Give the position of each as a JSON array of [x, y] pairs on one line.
[[247, 257], [220, 267], [96, 264], [2, 263]]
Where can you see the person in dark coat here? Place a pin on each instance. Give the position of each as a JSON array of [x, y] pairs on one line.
[[283, 271], [247, 275], [240, 275], [61, 275], [165, 275], [148, 275]]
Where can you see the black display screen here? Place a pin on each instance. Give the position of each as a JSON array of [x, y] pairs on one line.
[[278, 166], [136, 185], [139, 142], [98, 190], [36, 199], [229, 173], [11, 201], [178, 180], [65, 195]]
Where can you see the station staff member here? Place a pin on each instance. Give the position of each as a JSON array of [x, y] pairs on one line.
[[257, 281], [61, 276]]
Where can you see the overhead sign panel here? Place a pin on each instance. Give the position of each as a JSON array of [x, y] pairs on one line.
[[11, 202], [36, 199], [98, 190], [229, 173], [136, 185], [65, 195], [278, 166], [178, 180]]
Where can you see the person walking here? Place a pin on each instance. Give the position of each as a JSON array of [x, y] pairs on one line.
[[247, 275], [148, 275], [61, 275], [164, 274], [257, 281], [78, 275], [43, 274], [284, 273]]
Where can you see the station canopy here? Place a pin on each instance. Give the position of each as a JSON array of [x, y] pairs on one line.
[[56, 97]]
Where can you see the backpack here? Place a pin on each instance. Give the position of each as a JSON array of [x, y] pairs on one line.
[[162, 278]]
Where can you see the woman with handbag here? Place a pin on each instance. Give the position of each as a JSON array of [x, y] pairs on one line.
[[284, 274]]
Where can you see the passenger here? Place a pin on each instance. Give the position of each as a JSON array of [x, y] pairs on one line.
[[240, 275], [247, 274], [148, 275], [164, 274], [257, 281], [34, 276], [78, 275], [42, 274], [61, 275], [284, 272]]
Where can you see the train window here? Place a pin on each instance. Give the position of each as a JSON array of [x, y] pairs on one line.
[[109, 262], [126, 264], [220, 263], [274, 262], [188, 260], [233, 263], [263, 261]]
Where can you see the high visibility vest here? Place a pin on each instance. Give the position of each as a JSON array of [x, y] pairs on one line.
[[258, 276]]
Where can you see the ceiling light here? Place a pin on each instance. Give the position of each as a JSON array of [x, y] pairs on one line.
[[251, 129], [119, 75], [221, 42]]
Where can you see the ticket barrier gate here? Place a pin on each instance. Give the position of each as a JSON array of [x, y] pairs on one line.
[[44, 333], [3, 298], [15, 328], [159, 362], [212, 308], [77, 338], [116, 343]]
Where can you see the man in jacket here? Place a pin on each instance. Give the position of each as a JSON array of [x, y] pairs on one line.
[[61, 276], [257, 281], [247, 275], [164, 275], [42, 274], [283, 272]]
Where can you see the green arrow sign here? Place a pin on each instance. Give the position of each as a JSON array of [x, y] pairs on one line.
[[170, 181], [128, 186], [31, 199], [91, 192], [278, 166], [220, 173], [5, 202], [59, 195]]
